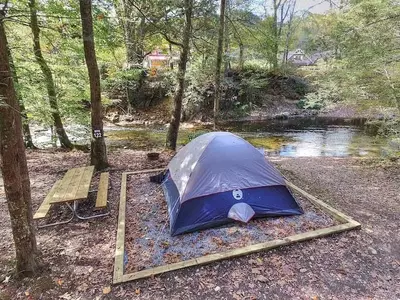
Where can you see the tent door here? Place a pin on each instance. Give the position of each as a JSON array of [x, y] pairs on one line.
[[241, 212]]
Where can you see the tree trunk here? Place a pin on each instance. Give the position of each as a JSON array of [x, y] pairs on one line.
[[217, 93], [134, 26], [25, 122], [275, 42], [171, 62], [292, 6], [98, 153], [226, 41], [14, 167], [172, 135], [128, 26], [51, 88], [241, 56]]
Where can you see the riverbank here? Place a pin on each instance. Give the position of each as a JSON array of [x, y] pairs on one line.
[[281, 109], [363, 264]]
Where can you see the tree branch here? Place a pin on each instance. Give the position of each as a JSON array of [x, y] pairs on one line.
[[163, 33]]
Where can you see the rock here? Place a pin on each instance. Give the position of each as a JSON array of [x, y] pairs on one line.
[[115, 118], [282, 116], [303, 270], [373, 251], [312, 258], [217, 289], [128, 118]]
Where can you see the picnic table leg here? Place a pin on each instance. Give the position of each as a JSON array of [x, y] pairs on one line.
[[88, 217], [60, 223]]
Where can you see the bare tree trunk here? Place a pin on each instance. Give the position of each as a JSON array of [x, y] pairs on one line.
[[98, 153], [51, 88], [275, 42], [25, 122], [237, 37], [134, 25], [172, 135], [292, 6], [241, 56], [171, 62], [217, 96], [14, 167], [226, 41], [128, 29]]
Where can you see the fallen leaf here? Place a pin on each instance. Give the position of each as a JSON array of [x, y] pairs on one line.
[[66, 296], [261, 278], [7, 279], [106, 290], [315, 298], [60, 282], [137, 291], [27, 293]]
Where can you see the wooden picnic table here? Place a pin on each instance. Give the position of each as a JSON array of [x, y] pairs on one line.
[[74, 187]]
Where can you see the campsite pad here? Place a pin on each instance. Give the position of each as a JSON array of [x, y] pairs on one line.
[[148, 243]]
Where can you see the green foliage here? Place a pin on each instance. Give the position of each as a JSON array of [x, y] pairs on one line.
[[326, 94], [120, 79], [389, 127], [252, 87], [362, 38], [62, 48]]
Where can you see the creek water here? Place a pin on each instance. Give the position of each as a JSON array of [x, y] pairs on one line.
[[299, 137]]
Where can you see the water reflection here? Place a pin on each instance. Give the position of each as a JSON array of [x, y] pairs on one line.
[[294, 138], [331, 141]]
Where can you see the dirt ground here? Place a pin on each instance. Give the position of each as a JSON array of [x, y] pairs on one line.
[[361, 264]]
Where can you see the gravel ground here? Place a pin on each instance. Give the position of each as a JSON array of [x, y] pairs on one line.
[[149, 244], [361, 264]]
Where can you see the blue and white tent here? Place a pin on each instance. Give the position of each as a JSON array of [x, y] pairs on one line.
[[219, 177]]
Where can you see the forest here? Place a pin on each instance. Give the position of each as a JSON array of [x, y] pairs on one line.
[[114, 83], [231, 66]]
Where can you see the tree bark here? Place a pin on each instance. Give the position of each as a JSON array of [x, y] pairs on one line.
[[134, 28], [172, 135], [275, 42], [292, 6], [241, 56], [217, 94], [134, 33], [98, 152], [25, 122], [51, 88], [227, 62], [14, 167]]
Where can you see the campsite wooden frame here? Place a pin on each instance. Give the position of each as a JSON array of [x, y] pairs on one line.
[[347, 223]]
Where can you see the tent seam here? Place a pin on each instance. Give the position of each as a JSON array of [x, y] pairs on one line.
[[201, 155]]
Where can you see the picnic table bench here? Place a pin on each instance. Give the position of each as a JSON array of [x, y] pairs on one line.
[[74, 187]]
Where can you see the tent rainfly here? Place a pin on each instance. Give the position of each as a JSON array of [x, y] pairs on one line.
[[219, 177]]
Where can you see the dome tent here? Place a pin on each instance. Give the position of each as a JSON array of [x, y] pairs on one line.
[[219, 177]]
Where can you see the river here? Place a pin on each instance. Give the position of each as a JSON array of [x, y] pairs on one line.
[[301, 137]]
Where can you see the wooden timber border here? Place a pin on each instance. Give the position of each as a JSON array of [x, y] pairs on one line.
[[119, 277]]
